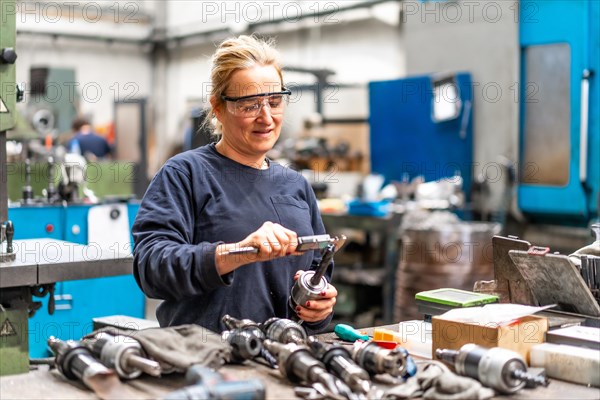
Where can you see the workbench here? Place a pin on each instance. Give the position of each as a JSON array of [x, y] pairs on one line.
[[44, 384], [38, 264], [44, 261]]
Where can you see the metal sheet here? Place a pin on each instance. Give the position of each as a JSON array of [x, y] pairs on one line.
[[66, 261], [17, 273], [547, 120], [84, 270], [553, 279], [511, 285]]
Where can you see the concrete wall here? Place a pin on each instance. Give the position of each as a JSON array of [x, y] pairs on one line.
[[105, 70], [480, 37], [359, 45], [127, 75], [358, 50]]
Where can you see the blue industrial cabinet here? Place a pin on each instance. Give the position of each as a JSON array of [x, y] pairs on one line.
[[560, 141], [77, 302], [409, 137]]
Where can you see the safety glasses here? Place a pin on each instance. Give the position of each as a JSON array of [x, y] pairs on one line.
[[251, 106]]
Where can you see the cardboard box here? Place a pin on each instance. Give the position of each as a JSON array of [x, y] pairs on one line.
[[519, 336]]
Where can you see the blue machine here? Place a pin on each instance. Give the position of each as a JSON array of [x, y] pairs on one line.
[[77, 302], [560, 110], [422, 126]]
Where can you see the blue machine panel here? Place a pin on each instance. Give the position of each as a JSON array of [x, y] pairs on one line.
[[571, 27], [77, 302], [38, 222], [405, 138], [76, 223]]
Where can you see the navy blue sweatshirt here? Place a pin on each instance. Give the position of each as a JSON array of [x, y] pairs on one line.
[[200, 199], [91, 143]]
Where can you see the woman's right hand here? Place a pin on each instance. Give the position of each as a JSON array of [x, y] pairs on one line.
[[272, 241]]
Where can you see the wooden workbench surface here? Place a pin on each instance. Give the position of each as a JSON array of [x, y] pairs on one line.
[[51, 385], [46, 384]]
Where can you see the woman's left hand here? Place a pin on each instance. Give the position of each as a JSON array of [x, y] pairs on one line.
[[317, 309]]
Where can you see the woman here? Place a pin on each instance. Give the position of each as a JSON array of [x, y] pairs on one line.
[[220, 197]]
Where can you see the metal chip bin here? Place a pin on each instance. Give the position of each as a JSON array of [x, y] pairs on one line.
[[441, 252]]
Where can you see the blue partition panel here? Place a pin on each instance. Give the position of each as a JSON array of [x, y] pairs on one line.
[[405, 138]]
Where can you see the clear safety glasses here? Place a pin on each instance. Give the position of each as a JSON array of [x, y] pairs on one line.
[[251, 106]]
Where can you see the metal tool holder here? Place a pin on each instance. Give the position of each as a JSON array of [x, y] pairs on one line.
[[123, 354], [298, 365], [501, 369], [311, 284], [252, 330], [76, 362]]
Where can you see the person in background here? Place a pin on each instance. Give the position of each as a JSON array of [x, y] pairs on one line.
[[227, 195], [87, 141]]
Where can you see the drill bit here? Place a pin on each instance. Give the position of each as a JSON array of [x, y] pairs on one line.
[[322, 268], [531, 380], [136, 362]]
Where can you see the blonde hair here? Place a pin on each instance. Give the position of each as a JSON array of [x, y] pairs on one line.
[[233, 55]]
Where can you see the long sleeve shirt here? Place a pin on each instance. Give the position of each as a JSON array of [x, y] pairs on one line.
[[200, 199]]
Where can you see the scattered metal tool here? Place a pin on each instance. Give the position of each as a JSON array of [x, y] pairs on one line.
[[314, 392], [500, 369], [284, 330], [244, 345], [7, 232], [10, 234], [297, 364], [123, 354], [208, 384], [251, 331], [311, 284], [234, 323], [305, 243], [377, 360], [76, 362], [338, 361]]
